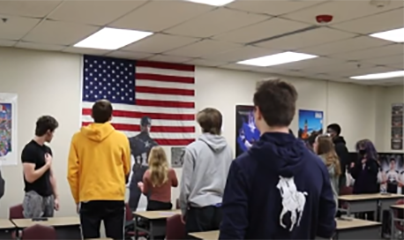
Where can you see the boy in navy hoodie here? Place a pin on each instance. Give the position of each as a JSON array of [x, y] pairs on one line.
[[278, 189]]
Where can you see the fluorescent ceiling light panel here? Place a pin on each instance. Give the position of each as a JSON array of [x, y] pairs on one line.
[[277, 59], [395, 35], [112, 38], [384, 75], [216, 3]]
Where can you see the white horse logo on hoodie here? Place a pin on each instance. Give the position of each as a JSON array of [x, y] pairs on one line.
[[293, 201]]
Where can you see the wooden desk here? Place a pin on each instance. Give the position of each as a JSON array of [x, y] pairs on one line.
[[394, 219], [357, 229], [212, 235], [386, 200], [155, 222], [6, 227], [358, 203], [66, 227]]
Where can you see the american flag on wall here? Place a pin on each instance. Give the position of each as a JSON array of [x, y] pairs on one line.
[[162, 91]]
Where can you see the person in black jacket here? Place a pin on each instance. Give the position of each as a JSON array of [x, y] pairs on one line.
[[365, 170], [340, 148]]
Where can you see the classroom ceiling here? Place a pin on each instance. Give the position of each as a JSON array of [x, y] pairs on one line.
[[204, 35]]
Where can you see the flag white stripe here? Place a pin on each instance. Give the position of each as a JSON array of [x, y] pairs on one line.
[[161, 84], [133, 108], [164, 97], [167, 72], [158, 135], [155, 122]]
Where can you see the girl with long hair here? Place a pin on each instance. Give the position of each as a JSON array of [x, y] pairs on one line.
[[324, 147], [158, 180], [365, 170]]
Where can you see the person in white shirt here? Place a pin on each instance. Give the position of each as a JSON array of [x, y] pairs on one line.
[[392, 177]]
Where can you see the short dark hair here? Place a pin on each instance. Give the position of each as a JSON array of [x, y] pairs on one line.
[[335, 128], [210, 120], [44, 124], [276, 101], [102, 111]]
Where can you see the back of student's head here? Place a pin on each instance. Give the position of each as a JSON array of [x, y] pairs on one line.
[[334, 129], [210, 120], [102, 111], [158, 166], [324, 146], [45, 125], [276, 102]]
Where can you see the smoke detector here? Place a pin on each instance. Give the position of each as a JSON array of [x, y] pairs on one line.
[[380, 3]]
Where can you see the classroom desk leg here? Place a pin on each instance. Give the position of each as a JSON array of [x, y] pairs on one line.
[[392, 226], [358, 233]]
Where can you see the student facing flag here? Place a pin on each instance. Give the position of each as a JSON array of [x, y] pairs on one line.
[[160, 91]]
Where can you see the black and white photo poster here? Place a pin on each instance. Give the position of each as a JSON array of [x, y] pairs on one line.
[[397, 126], [391, 173]]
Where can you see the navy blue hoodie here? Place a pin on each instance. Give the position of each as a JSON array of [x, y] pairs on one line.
[[252, 203]]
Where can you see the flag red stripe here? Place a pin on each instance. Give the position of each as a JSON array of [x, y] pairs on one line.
[[164, 78], [163, 65], [159, 116], [171, 91], [154, 129], [158, 103], [174, 142]]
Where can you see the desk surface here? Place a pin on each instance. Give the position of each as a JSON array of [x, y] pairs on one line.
[[157, 214], [376, 196], [355, 223], [6, 224], [211, 235], [399, 207], [55, 222]]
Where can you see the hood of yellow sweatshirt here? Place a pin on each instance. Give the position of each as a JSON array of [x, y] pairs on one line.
[[97, 131]]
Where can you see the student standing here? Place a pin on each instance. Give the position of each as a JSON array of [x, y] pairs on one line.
[[41, 198], [205, 169], [324, 147], [278, 189], [98, 166]]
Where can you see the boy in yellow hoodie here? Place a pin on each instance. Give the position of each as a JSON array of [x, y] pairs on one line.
[[98, 166]]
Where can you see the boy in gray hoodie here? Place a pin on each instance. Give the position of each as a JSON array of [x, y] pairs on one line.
[[206, 166]]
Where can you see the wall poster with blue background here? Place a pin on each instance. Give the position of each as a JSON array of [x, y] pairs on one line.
[[310, 123], [246, 131]]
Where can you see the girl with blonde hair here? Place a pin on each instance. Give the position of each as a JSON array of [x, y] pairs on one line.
[[158, 180], [324, 147]]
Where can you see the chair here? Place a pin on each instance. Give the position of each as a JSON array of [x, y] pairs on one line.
[[38, 231], [130, 225], [345, 191], [175, 229], [15, 212]]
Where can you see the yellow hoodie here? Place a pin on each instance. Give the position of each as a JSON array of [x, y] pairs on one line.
[[99, 161]]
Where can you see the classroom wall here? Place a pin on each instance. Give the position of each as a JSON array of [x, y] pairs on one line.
[[49, 83]]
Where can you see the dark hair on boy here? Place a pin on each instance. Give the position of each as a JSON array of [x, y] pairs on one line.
[[102, 111], [44, 124], [210, 120], [276, 100], [335, 128]]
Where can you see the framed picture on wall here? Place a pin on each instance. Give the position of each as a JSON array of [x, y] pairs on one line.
[[246, 131], [8, 129]]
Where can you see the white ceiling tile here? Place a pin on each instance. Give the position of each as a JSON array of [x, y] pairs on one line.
[[156, 16], [378, 52], [7, 43], [241, 67], [241, 53], [60, 33], [272, 7], [315, 62], [16, 27], [366, 70], [28, 8], [262, 30], [129, 55], [203, 48], [340, 10], [94, 12], [375, 23], [305, 39], [396, 60], [38, 46], [159, 43], [346, 45], [338, 69], [218, 21], [168, 58], [205, 62], [85, 51]]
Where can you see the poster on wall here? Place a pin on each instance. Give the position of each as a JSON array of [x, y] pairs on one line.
[[397, 126], [310, 123], [391, 174], [8, 129], [246, 131], [177, 157]]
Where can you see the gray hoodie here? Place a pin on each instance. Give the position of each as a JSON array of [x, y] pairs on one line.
[[204, 174], [334, 179]]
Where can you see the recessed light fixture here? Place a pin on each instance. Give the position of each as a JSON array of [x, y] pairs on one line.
[[376, 76], [112, 38], [277, 59], [395, 35], [216, 3]]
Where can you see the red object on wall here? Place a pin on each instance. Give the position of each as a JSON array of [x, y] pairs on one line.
[[324, 18]]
